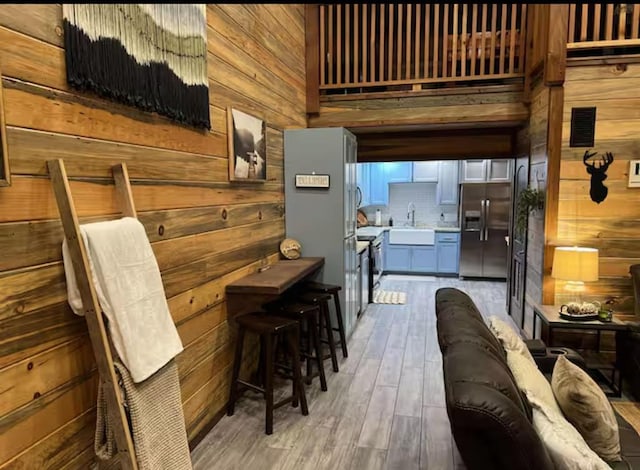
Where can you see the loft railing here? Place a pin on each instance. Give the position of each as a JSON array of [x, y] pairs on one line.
[[593, 25], [364, 46]]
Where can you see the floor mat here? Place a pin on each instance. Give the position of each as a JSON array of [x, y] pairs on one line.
[[389, 297]]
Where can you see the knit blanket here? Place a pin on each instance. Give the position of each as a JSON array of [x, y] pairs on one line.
[[154, 409]]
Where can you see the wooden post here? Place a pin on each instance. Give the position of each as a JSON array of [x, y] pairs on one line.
[[554, 156], [554, 74], [123, 190], [556, 56], [312, 47], [93, 314]]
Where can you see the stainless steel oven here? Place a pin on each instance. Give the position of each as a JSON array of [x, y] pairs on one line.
[[376, 261]]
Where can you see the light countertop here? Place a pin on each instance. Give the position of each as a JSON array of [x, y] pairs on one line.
[[372, 230]]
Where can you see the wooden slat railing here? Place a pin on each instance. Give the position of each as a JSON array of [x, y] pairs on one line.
[[593, 25], [370, 45]]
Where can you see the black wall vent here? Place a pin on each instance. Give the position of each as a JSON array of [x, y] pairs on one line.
[[583, 127]]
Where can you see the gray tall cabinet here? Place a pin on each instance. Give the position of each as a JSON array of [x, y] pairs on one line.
[[323, 220]]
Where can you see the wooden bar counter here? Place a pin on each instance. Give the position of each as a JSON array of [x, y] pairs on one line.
[[250, 292]]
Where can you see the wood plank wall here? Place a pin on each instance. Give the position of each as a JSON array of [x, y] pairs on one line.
[[205, 231], [613, 225], [538, 134], [466, 106]]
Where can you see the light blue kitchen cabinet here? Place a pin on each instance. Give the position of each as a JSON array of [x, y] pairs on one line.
[[447, 189], [398, 172], [411, 258], [447, 252], [381, 174], [425, 172], [379, 186], [473, 171], [440, 258], [363, 177], [398, 258], [499, 171], [486, 171], [423, 259]]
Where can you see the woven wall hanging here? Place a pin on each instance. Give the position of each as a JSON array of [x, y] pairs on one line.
[[153, 56]]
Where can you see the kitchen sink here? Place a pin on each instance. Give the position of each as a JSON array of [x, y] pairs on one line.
[[411, 236]]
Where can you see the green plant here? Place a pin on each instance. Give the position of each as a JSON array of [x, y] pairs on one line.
[[528, 201]]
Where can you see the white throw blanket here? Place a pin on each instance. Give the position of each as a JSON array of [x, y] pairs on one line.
[[127, 281]]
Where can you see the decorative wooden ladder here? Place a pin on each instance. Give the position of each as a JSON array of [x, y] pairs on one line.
[[92, 311]]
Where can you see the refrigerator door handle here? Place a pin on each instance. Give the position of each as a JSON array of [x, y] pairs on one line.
[[486, 220], [482, 220]]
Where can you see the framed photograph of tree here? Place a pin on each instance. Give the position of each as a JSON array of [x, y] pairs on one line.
[[5, 175], [247, 147]]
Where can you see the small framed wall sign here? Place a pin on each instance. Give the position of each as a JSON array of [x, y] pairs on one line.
[[634, 174], [312, 181]]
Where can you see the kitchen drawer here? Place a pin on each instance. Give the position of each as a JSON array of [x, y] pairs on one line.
[[447, 237]]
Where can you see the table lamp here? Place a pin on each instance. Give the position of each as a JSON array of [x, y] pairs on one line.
[[576, 265]]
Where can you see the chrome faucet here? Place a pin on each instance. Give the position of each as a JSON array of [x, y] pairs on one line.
[[411, 213]]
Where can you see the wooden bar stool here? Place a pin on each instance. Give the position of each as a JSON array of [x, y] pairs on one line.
[[322, 301], [333, 290], [312, 351], [269, 328]]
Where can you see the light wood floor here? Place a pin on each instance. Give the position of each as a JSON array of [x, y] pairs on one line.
[[383, 410]]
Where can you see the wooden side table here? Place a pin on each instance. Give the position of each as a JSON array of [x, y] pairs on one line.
[[549, 315]]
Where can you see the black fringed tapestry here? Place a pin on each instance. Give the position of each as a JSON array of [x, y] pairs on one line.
[[153, 56]]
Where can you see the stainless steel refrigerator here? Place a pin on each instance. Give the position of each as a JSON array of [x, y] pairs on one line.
[[323, 219], [484, 212]]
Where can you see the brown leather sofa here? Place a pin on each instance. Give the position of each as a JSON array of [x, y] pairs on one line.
[[490, 418]]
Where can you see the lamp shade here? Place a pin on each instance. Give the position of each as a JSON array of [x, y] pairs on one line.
[[575, 264]]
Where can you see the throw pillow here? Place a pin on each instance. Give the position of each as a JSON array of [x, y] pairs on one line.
[[563, 442], [586, 407], [530, 380], [508, 337]]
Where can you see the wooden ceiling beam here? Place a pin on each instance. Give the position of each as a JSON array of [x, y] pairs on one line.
[[399, 148]]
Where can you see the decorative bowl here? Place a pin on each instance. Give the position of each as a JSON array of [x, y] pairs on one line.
[[579, 316]]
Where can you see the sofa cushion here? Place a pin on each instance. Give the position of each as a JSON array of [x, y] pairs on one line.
[[510, 340], [463, 322], [488, 418], [565, 445], [585, 405], [469, 363], [455, 330], [452, 297], [530, 380]]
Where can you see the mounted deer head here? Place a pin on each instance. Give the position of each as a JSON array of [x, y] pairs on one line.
[[597, 169]]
